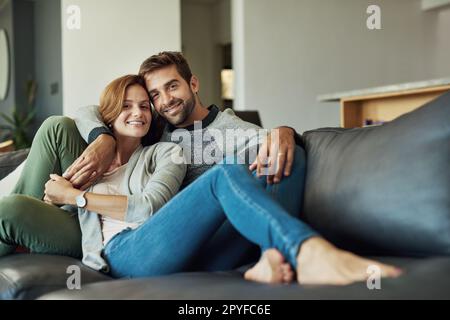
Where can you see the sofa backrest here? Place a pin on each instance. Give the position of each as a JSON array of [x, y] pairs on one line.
[[386, 189]]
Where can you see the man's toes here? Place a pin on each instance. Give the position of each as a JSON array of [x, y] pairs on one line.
[[274, 256], [287, 271], [389, 271], [288, 276], [386, 270], [248, 275], [286, 267]]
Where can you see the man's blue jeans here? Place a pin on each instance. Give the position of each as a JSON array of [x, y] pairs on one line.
[[235, 250], [167, 242]]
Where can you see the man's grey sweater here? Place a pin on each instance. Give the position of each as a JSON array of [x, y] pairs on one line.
[[220, 135]]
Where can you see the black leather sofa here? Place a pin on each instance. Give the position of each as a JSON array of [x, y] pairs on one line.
[[382, 192]]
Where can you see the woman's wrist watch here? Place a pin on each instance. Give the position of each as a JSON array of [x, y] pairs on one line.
[[81, 200]]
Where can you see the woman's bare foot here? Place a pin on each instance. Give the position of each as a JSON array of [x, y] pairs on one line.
[[271, 268], [319, 262]]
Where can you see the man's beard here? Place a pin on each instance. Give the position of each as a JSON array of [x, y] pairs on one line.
[[186, 110]]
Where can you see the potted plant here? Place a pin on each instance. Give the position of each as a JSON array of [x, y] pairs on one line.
[[19, 123]]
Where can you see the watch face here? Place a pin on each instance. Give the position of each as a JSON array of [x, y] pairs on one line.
[[81, 201]]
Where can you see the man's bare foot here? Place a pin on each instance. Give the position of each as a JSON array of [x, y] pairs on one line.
[[271, 268], [319, 262]]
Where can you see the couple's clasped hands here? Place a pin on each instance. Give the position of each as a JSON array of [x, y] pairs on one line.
[[85, 170], [57, 190]]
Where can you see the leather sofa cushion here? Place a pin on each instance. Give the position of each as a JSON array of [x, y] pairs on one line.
[[422, 279], [383, 190], [28, 276]]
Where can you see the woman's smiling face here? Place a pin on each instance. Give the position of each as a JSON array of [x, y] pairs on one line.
[[135, 119]]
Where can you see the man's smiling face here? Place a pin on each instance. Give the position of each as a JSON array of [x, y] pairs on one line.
[[172, 96]]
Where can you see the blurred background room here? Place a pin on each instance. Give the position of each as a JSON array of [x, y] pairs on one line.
[[284, 59]]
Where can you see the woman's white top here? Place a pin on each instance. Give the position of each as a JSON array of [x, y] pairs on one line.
[[110, 185]]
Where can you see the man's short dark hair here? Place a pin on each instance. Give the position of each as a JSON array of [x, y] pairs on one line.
[[166, 59]]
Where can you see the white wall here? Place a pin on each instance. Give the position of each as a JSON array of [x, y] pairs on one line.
[[442, 40], [116, 36], [289, 51]]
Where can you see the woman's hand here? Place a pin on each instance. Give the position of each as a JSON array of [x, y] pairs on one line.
[[59, 191]]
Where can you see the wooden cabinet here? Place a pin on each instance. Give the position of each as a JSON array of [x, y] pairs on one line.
[[378, 105], [7, 146]]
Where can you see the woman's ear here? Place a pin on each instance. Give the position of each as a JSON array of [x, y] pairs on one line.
[[195, 84]]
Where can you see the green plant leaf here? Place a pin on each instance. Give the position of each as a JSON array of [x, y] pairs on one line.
[[6, 128], [16, 117], [7, 119], [29, 118], [18, 122]]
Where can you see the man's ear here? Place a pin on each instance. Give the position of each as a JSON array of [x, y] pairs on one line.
[[195, 84]]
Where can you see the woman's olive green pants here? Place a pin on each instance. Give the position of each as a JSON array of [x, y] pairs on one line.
[[27, 221]]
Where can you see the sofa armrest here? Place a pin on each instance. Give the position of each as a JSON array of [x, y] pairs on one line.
[[9, 161]]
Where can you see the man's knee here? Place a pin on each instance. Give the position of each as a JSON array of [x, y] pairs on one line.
[[299, 162], [225, 168]]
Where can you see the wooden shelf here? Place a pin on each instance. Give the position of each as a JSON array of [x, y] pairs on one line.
[[385, 107], [384, 104], [7, 146]]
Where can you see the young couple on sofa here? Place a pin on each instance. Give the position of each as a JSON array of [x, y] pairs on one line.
[[127, 206]]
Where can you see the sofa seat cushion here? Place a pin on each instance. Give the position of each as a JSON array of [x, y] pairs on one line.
[[383, 190], [422, 279], [27, 276]]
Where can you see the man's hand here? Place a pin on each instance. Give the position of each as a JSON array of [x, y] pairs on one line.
[[276, 155], [94, 161]]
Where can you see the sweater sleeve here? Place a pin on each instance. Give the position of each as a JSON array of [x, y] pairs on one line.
[[90, 124], [167, 173], [250, 148], [246, 138]]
